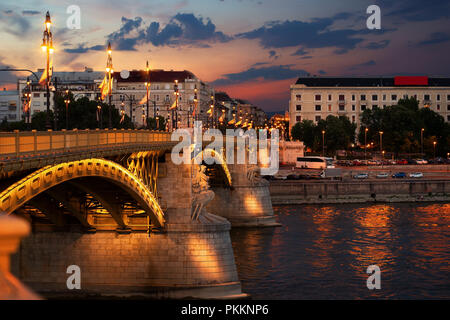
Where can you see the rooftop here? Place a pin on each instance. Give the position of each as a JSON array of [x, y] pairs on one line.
[[374, 82], [155, 76]]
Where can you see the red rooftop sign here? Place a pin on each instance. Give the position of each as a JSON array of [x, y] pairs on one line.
[[411, 81]]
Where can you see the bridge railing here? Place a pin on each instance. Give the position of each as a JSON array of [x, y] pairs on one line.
[[20, 143]]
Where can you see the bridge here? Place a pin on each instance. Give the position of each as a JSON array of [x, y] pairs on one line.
[[114, 203]]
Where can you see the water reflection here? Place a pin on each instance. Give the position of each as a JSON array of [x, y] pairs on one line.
[[324, 251]]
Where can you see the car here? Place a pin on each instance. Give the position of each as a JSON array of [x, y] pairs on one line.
[[361, 176], [382, 175], [399, 175], [402, 161], [416, 175], [421, 161]]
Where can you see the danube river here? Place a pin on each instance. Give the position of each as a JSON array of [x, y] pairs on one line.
[[323, 251]]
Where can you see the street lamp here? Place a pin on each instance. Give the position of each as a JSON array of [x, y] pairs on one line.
[[47, 47], [67, 101], [381, 142], [195, 105], [323, 143], [365, 142], [99, 116], [175, 118], [434, 149], [147, 87], [26, 99], [421, 140], [109, 71]]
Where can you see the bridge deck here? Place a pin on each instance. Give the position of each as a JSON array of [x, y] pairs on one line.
[[34, 149]]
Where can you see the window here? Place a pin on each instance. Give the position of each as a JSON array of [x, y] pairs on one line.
[[394, 97], [353, 97], [299, 107], [374, 97], [438, 97], [329, 97], [298, 97], [426, 97], [318, 107], [341, 97], [363, 107], [341, 107], [438, 107], [353, 119], [318, 118], [329, 107], [363, 97], [448, 118], [36, 95], [448, 97], [318, 97], [298, 118], [448, 107], [384, 97], [353, 107]]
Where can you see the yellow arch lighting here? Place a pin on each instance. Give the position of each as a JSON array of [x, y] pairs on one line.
[[219, 159], [47, 177]]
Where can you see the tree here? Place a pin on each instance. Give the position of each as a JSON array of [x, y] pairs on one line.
[[304, 131]]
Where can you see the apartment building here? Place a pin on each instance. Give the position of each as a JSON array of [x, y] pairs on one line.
[[129, 89], [9, 105], [315, 98]]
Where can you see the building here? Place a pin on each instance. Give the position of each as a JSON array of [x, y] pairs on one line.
[[80, 83], [9, 105], [315, 98], [130, 89]]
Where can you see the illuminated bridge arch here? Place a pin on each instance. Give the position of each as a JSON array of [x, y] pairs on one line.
[[219, 160], [50, 176]]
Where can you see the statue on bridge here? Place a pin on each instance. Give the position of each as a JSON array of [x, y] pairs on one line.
[[254, 176], [201, 193]]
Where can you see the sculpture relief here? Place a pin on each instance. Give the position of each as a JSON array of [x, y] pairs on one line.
[[254, 176], [200, 192]]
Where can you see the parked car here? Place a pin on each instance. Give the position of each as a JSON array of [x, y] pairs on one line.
[[421, 161], [361, 176], [382, 175], [399, 175], [292, 177], [416, 175], [402, 161], [372, 162]]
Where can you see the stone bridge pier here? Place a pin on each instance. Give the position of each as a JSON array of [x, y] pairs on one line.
[[247, 203], [190, 256]]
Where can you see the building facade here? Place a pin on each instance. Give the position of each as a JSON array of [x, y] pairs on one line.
[[315, 98], [129, 90], [9, 105]]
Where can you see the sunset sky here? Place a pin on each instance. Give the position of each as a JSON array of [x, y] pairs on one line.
[[253, 49]]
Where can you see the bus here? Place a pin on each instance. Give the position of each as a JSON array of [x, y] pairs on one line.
[[314, 162]]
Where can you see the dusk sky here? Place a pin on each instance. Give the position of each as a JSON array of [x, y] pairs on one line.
[[253, 49]]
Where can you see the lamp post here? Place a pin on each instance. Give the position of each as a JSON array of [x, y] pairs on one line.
[[212, 111], [365, 142], [147, 87], [157, 119], [99, 116], [323, 143], [67, 101], [421, 140], [195, 106], [175, 118], [26, 99], [47, 47], [381, 143], [434, 149], [109, 71]]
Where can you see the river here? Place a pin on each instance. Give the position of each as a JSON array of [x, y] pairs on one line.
[[323, 251]]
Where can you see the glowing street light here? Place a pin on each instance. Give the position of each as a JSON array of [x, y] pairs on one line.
[[47, 47], [421, 140], [67, 101], [434, 149], [365, 142], [381, 141], [323, 143]]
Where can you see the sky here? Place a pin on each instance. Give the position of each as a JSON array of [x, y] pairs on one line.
[[252, 49]]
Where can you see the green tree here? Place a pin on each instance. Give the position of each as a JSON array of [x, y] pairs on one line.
[[304, 131]]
